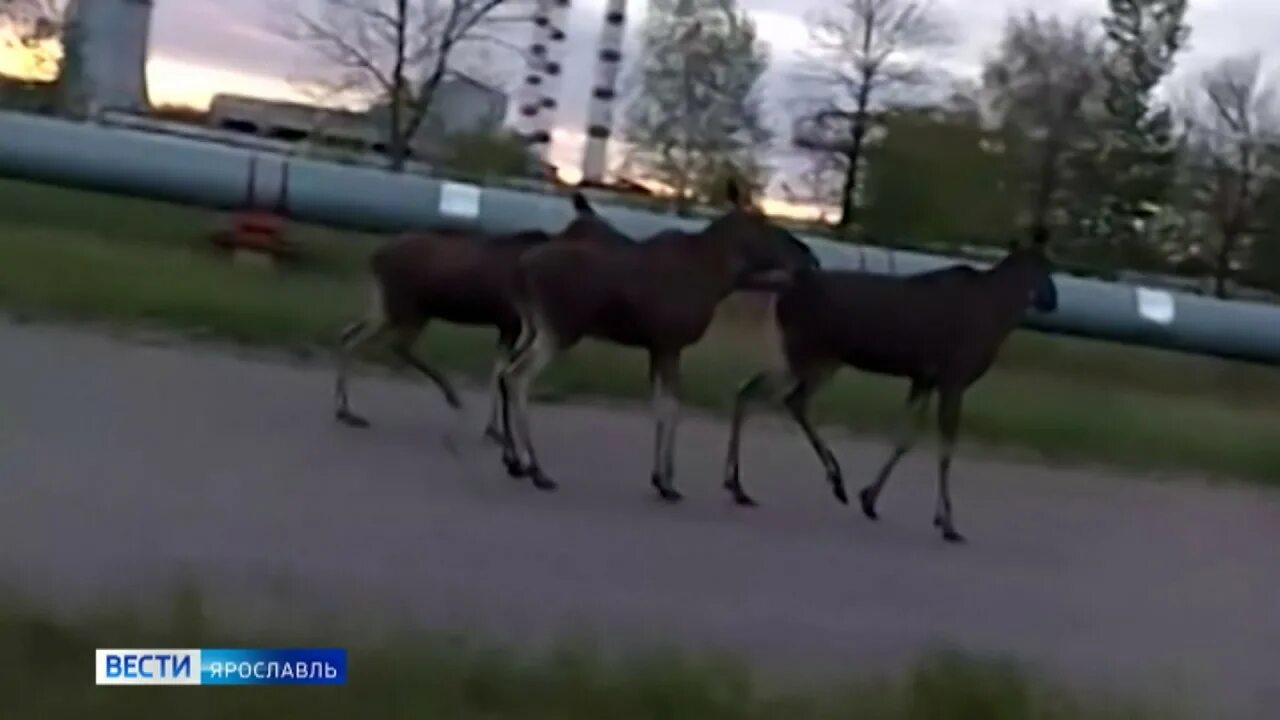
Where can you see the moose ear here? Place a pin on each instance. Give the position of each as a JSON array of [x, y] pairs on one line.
[[734, 193], [580, 204]]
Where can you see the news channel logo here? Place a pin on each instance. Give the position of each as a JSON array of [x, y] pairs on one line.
[[221, 666]]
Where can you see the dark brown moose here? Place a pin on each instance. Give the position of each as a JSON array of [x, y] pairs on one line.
[[457, 278], [659, 295], [941, 330]]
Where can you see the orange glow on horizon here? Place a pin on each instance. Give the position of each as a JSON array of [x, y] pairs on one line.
[[171, 81], [24, 63]]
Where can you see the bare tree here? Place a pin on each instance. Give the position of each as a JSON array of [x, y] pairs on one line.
[[1044, 81], [35, 26], [862, 51], [397, 51], [816, 183], [1233, 122]]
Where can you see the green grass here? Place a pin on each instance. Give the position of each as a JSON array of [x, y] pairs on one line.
[[45, 665], [83, 256]]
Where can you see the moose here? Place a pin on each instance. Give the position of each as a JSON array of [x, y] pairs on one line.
[[659, 295], [456, 278], [941, 330]]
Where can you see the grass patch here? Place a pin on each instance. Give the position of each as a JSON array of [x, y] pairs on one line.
[[45, 667], [69, 254]]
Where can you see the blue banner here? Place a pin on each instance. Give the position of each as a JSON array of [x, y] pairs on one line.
[[289, 666]]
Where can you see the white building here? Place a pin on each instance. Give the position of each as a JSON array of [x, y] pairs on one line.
[[105, 65]]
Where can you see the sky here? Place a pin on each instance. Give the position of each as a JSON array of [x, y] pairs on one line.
[[202, 47]]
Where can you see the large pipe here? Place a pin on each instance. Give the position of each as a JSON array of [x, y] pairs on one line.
[[138, 163]]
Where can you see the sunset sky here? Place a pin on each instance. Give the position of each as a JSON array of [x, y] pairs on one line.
[[202, 47]]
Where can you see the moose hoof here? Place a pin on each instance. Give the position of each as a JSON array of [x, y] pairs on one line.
[[837, 488], [951, 536], [868, 501], [514, 468], [494, 435], [350, 419], [665, 491], [542, 482], [744, 500]]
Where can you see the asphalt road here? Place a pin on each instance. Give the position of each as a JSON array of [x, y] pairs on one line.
[[125, 467]]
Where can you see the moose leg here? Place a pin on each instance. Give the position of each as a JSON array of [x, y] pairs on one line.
[[948, 424], [353, 337], [797, 402], [493, 429], [518, 348], [402, 346], [764, 385], [664, 379], [917, 405], [510, 456], [515, 380]]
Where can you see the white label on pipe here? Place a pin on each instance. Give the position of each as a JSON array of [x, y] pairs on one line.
[[1155, 305], [460, 200]]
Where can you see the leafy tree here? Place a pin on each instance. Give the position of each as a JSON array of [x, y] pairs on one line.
[[1043, 82], [1139, 149], [939, 176], [487, 155], [1233, 122], [1264, 258], [697, 111]]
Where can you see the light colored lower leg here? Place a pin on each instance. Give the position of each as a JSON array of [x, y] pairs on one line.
[[673, 419], [769, 385], [495, 397], [942, 508], [353, 338], [908, 433], [520, 377], [665, 411]]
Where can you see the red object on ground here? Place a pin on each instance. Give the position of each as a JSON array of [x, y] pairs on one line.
[[256, 229]]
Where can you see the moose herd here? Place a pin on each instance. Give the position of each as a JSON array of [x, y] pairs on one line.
[[545, 292]]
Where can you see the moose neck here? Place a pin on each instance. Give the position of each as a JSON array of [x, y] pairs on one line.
[[714, 255], [1009, 292]]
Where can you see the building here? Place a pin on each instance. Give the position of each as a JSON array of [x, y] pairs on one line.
[[105, 61], [294, 122], [461, 104]]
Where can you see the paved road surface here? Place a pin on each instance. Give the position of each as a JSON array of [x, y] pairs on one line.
[[123, 465]]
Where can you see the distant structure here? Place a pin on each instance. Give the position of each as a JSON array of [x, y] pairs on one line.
[[538, 94], [600, 112], [529, 96], [105, 57], [461, 104], [294, 122]]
